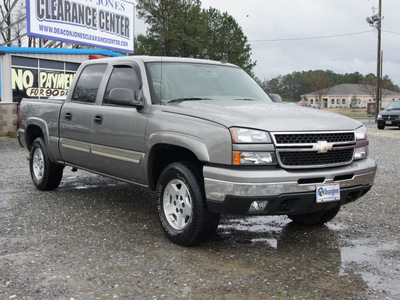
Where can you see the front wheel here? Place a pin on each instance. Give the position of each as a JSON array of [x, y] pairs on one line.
[[181, 205], [316, 218], [381, 126], [45, 174]]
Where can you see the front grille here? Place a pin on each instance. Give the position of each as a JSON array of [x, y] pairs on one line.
[[306, 149], [390, 117], [311, 138], [313, 158]]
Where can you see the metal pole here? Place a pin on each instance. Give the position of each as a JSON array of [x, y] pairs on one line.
[[381, 85], [378, 69]]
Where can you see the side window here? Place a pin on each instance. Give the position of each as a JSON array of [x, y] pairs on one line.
[[88, 83], [123, 77]]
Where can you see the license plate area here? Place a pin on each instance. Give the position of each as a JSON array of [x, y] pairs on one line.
[[328, 193], [389, 122]]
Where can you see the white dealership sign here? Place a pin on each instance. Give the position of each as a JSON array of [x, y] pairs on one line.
[[100, 23]]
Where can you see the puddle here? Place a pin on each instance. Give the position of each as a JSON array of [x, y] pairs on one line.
[[380, 273], [257, 224], [79, 182], [267, 225], [375, 262], [270, 242]]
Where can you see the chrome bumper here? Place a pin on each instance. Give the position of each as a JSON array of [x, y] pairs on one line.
[[221, 182]]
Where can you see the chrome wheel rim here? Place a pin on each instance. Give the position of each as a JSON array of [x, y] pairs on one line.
[[177, 204], [38, 164]]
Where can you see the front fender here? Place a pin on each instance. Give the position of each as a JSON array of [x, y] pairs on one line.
[[192, 143], [181, 140]]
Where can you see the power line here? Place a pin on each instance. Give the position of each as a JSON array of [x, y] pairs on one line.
[[391, 32], [311, 38]]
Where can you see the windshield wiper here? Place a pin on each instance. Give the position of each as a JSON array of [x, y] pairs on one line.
[[187, 99], [246, 99]]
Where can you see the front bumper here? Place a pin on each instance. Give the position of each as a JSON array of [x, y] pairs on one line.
[[287, 191], [393, 122]]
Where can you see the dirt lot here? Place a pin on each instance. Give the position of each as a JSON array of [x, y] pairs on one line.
[[95, 238]]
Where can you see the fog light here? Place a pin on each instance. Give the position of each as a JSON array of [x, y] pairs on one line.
[[258, 206], [361, 153]]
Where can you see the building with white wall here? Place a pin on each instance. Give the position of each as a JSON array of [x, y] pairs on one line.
[[349, 96]]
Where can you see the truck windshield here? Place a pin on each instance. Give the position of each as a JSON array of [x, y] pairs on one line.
[[177, 82]]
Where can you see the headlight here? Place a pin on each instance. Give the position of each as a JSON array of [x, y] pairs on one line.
[[380, 116], [253, 158], [361, 133], [249, 136], [248, 156]]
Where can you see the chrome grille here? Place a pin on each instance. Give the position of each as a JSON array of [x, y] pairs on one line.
[[313, 158], [390, 117], [308, 149], [311, 138]]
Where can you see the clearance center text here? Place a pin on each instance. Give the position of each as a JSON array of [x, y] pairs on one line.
[[83, 15]]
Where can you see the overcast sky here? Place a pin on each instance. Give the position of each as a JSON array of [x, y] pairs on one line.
[[284, 35]]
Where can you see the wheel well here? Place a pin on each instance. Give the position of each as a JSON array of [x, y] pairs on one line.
[[161, 156], [32, 133]]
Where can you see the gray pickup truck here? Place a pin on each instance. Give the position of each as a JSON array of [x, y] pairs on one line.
[[204, 137]]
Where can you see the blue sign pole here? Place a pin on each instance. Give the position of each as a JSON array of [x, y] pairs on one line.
[[1, 98]]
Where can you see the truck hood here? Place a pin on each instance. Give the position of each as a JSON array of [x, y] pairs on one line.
[[272, 117]]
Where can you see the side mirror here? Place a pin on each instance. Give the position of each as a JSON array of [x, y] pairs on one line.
[[122, 96], [275, 98]]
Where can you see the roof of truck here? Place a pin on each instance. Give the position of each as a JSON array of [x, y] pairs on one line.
[[147, 59]]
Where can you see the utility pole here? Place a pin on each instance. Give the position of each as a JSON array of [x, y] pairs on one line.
[[376, 21], [379, 63]]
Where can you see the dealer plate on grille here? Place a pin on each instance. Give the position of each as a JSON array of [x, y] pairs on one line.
[[327, 193]]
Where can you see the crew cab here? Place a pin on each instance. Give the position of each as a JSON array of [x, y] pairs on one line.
[[204, 137]]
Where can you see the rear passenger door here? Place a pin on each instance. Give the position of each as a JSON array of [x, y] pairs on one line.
[[118, 130], [76, 117]]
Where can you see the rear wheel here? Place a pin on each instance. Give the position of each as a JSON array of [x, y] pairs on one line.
[[316, 218], [181, 205], [45, 174]]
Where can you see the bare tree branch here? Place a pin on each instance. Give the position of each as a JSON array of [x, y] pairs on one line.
[[320, 83]]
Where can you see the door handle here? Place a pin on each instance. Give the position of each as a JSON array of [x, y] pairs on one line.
[[98, 119], [68, 116]]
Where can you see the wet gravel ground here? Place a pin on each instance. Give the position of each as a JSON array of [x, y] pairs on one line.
[[96, 238]]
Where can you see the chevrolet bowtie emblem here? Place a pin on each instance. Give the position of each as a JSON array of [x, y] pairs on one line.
[[323, 146]]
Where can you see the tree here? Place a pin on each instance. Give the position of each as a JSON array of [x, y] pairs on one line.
[[182, 28], [273, 86], [320, 84], [171, 23], [225, 40], [354, 100], [292, 86], [13, 22], [370, 84]]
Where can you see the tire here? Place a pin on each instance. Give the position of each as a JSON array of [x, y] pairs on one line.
[[181, 205], [45, 174], [381, 126], [317, 218]]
